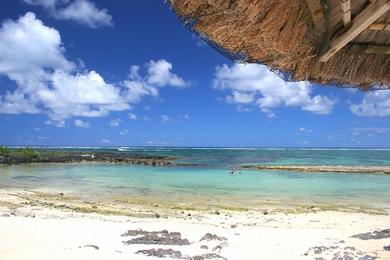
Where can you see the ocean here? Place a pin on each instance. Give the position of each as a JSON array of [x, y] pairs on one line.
[[209, 182]]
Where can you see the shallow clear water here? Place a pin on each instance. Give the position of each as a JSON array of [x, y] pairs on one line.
[[212, 182]]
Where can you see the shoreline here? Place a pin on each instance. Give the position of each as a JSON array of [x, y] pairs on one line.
[[321, 233], [150, 206]]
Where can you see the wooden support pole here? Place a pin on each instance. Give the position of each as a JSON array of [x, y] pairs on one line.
[[361, 22], [346, 9]]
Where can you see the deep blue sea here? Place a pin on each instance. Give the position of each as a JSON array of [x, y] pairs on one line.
[[211, 183]]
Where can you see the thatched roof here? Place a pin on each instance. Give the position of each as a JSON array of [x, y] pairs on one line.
[[342, 42]]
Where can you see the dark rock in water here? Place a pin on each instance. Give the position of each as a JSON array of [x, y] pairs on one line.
[[209, 237], [207, 256], [204, 247], [155, 238], [387, 248], [61, 194], [233, 226], [377, 234], [93, 246], [157, 215], [161, 253]]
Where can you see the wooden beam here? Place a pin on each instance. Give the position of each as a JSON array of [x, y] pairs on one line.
[[378, 49], [317, 15], [362, 21], [379, 27], [372, 48], [346, 11]]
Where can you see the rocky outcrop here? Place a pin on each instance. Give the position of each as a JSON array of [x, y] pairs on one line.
[[74, 157], [322, 168], [377, 234]]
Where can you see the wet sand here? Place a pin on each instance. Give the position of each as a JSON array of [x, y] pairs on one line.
[[33, 230]]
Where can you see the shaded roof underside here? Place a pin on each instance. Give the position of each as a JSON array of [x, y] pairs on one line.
[[284, 35]]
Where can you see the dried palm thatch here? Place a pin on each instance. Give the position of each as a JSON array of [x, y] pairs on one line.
[[341, 42]]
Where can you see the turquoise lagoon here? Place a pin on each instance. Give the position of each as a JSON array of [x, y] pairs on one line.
[[211, 184]]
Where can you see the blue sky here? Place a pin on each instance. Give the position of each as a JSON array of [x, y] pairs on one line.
[[104, 73]]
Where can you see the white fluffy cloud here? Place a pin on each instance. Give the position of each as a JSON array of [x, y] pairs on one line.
[[115, 122], [165, 119], [254, 84], [124, 132], [32, 56], [81, 124], [106, 141], [28, 46], [46, 3], [375, 104], [159, 73], [137, 86], [133, 116], [86, 13], [81, 11], [304, 130]]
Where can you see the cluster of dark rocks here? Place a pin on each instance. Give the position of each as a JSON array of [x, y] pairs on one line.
[[338, 253], [155, 238], [210, 237], [75, 157], [377, 234], [165, 238]]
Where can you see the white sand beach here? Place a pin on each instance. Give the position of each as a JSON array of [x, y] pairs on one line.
[[38, 232]]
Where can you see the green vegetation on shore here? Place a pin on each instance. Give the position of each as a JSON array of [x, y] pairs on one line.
[[20, 152], [4, 151]]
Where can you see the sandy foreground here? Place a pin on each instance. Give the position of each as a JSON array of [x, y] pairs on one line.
[[35, 231]]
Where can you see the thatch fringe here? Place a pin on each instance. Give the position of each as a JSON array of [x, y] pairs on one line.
[[281, 35]]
